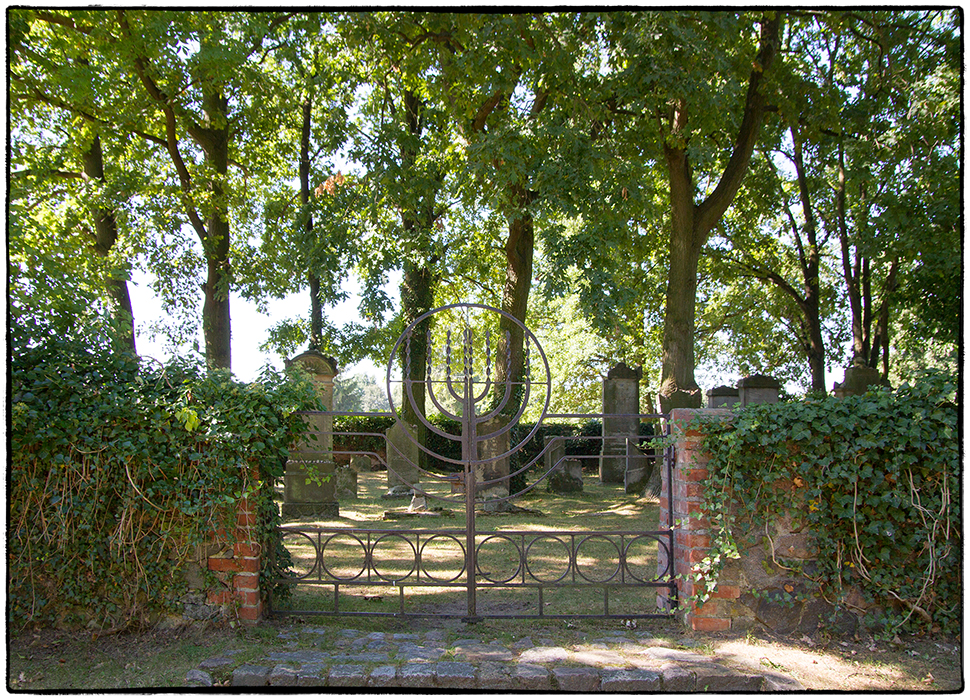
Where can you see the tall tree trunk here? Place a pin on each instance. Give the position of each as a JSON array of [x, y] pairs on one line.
[[880, 338], [106, 234], [809, 259], [316, 308], [519, 252], [851, 269], [691, 223], [215, 310], [420, 274]]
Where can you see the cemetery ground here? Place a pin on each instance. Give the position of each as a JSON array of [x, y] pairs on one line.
[[43, 659]]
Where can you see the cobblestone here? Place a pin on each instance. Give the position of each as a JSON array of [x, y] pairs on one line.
[[620, 662]]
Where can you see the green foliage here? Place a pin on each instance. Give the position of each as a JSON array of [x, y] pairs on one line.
[[876, 478], [119, 471]]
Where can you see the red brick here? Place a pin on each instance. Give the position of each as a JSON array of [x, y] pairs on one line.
[[248, 614], [223, 564], [246, 581], [245, 519], [726, 591], [247, 598], [695, 475], [709, 624], [692, 538], [246, 549], [248, 564], [696, 555]]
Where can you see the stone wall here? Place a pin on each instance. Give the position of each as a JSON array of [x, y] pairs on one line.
[[759, 588]]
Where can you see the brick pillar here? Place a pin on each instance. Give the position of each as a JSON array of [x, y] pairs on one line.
[[691, 535], [243, 566]]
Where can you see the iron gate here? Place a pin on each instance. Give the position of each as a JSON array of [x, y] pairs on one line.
[[467, 381]]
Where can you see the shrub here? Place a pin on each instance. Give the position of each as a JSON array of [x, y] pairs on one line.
[[876, 477], [118, 471]]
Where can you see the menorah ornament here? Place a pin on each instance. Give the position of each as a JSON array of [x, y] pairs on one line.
[[468, 379]]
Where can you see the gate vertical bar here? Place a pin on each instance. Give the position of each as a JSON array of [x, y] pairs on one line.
[[469, 449]]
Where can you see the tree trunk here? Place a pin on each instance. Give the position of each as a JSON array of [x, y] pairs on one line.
[[316, 308], [880, 339], [106, 234], [850, 270], [215, 310], [519, 252], [809, 258], [420, 276], [677, 372], [691, 224]]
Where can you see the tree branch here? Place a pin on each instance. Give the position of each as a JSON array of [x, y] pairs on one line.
[[709, 212], [171, 135], [478, 123]]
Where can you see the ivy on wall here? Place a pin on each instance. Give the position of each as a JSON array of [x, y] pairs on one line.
[[118, 471], [876, 479]]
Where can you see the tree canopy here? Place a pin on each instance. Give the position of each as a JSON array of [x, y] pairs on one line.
[[771, 191]]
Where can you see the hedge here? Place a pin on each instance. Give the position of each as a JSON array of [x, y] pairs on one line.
[[118, 471]]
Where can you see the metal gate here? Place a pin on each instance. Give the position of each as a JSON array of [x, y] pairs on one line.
[[467, 381]]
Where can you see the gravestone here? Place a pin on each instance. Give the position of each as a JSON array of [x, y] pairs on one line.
[[568, 478], [346, 482], [565, 474], [309, 485], [723, 397], [497, 469], [858, 379], [621, 420], [402, 459], [361, 463], [758, 389]]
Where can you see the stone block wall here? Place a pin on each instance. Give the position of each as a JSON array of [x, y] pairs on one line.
[[761, 587]]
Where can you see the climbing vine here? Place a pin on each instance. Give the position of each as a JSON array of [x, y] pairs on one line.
[[875, 478], [119, 470]]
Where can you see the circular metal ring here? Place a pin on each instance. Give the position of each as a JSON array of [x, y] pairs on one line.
[[627, 567], [616, 548], [461, 548], [388, 537], [488, 576], [316, 554], [323, 559], [565, 546]]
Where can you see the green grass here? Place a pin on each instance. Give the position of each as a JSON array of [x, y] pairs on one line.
[[545, 530]]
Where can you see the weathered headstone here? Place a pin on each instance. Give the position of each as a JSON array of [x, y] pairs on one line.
[[497, 469], [402, 457], [361, 463], [568, 478], [858, 379], [565, 475], [723, 397], [621, 421], [346, 482], [555, 452], [758, 389], [309, 488]]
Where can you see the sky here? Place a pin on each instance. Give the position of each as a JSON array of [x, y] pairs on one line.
[[250, 328]]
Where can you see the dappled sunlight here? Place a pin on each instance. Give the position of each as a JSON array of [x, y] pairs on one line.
[[839, 667], [555, 556]]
